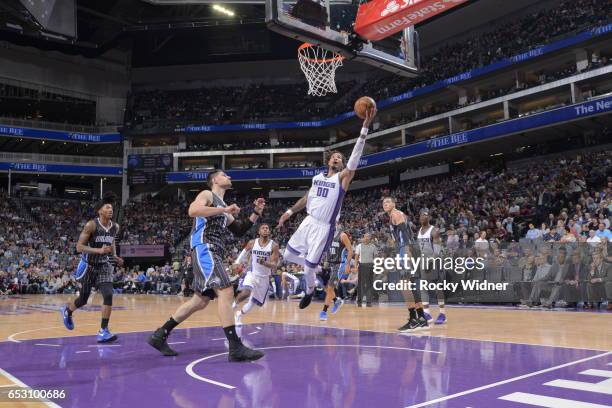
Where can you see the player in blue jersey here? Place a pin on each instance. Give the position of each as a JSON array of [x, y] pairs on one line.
[[338, 266], [213, 221], [98, 256]]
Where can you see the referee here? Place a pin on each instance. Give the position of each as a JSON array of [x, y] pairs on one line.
[[364, 259]]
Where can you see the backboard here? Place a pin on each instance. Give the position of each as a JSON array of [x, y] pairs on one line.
[[333, 30]]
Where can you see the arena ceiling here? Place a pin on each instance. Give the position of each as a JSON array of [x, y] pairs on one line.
[[195, 33]]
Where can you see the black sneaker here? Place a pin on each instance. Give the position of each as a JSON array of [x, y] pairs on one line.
[[421, 323], [158, 340], [305, 302], [407, 327], [243, 353]]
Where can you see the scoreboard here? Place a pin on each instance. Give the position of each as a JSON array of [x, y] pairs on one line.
[[148, 168], [161, 162]]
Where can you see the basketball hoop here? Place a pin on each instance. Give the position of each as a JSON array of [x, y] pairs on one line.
[[319, 65]]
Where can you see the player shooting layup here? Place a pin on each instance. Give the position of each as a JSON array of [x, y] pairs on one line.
[[323, 201]]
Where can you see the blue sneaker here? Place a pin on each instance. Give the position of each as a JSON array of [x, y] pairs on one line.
[[105, 336], [323, 316], [441, 319], [337, 305], [427, 317], [67, 318]]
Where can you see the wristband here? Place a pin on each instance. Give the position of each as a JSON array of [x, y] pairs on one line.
[[364, 131], [289, 212]]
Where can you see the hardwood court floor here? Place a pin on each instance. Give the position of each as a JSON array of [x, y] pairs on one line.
[[464, 356], [36, 316]]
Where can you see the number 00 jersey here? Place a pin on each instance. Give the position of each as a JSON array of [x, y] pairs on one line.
[[325, 198]]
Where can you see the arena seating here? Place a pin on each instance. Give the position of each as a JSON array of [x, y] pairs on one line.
[[562, 201], [271, 103]]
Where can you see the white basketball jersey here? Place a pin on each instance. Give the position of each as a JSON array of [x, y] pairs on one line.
[[425, 241], [257, 253], [325, 198]]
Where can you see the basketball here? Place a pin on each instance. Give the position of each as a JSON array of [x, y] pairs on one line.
[[362, 105]]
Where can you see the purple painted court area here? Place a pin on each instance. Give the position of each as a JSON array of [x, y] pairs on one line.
[[307, 366]]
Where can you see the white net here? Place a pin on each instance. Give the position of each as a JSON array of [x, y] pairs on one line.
[[319, 65]]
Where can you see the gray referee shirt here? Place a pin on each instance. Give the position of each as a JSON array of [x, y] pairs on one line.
[[366, 253]]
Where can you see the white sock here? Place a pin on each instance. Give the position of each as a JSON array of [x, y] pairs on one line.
[[310, 274], [426, 309]]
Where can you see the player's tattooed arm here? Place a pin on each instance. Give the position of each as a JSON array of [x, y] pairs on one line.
[[300, 204], [82, 246], [297, 207]]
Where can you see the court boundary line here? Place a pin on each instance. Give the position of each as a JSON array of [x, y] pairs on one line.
[[192, 374], [20, 383], [11, 338], [509, 380]]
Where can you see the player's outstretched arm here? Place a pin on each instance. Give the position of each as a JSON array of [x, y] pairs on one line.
[[241, 227], [297, 207], [346, 175]]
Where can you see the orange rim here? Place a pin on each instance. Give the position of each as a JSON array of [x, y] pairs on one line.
[[317, 60]]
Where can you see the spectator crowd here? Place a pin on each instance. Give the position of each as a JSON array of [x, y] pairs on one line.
[[518, 218]]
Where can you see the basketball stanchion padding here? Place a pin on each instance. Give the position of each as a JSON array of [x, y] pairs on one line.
[[319, 65]]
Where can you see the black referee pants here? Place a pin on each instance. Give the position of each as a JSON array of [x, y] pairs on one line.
[[365, 282]]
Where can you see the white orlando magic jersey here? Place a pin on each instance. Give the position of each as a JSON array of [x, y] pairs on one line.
[[325, 198], [425, 241], [261, 253]]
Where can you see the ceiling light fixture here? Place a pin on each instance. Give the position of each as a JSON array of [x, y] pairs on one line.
[[223, 10]]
